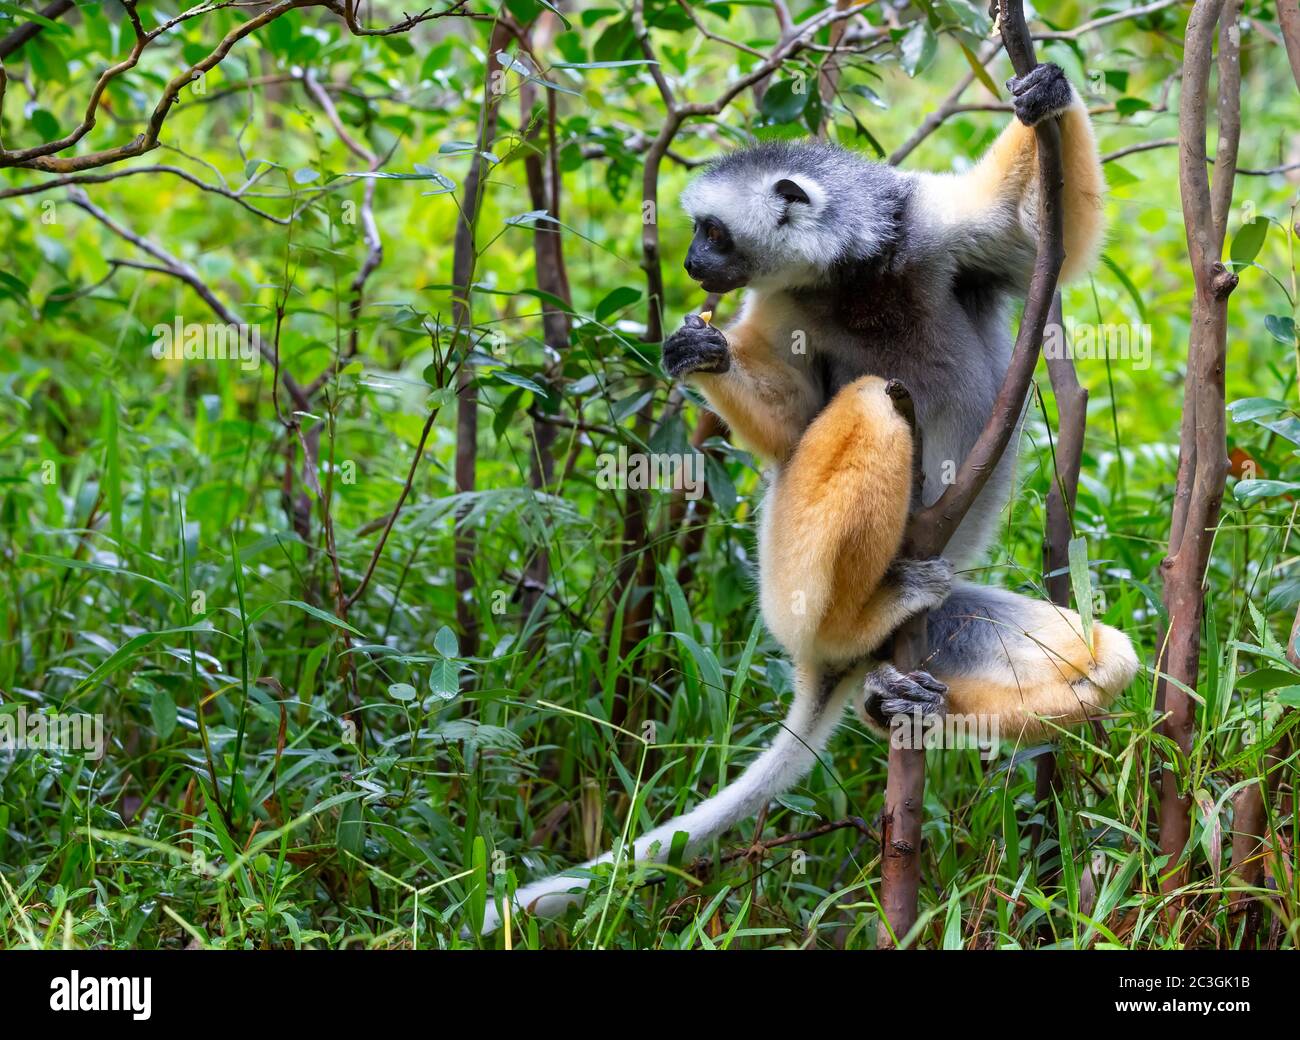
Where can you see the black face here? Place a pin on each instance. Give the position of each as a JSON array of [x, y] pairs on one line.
[[713, 259]]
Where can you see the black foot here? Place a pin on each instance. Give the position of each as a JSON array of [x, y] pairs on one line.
[[696, 347], [1042, 93], [889, 692]]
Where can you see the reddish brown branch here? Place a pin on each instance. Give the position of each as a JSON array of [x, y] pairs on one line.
[[1288, 17], [1203, 462], [541, 166], [1071, 423], [930, 528]]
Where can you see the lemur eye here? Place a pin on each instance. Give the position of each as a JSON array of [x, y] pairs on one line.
[[714, 234]]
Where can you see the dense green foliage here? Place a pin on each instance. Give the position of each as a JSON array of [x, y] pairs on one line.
[[376, 777]]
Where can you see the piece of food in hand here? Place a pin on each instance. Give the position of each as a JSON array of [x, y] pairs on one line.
[[706, 316]]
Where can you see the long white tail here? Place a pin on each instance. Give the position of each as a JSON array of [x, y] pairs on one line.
[[812, 719]]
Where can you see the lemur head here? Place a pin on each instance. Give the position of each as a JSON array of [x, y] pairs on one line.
[[785, 213]]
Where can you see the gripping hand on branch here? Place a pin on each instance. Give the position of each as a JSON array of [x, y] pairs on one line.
[[1042, 93]]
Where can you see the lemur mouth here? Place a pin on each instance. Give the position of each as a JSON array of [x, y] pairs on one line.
[[721, 287]]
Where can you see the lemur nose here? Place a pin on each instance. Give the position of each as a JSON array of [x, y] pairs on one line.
[[690, 267]]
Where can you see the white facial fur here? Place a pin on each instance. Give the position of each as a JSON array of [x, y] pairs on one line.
[[751, 211]]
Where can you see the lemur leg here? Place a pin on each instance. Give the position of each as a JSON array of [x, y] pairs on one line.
[[765, 401], [1022, 660], [995, 204], [832, 524]]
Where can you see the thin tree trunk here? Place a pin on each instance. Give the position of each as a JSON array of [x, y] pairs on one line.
[[1071, 423], [548, 258], [464, 260], [634, 577], [931, 527], [1203, 462], [1249, 841]]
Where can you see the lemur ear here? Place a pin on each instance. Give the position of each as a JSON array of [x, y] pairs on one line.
[[790, 191]]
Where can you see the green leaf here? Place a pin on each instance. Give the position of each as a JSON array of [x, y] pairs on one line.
[[477, 905], [401, 691], [45, 124], [1266, 679], [350, 836], [444, 679], [782, 103], [13, 286], [602, 64], [862, 90], [1281, 328], [1127, 106], [1249, 409], [316, 612], [306, 175], [623, 296], [1248, 491], [1081, 583], [556, 11], [721, 488], [1128, 284], [629, 405], [1289, 696], [445, 642], [162, 709], [918, 48], [128, 650], [515, 379], [1248, 241], [32, 16], [981, 73]]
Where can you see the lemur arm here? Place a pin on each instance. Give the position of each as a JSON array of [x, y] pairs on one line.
[[987, 217], [766, 402]]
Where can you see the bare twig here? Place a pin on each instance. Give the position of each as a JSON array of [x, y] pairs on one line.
[[177, 268], [45, 156], [175, 171], [1172, 142], [1110, 19]]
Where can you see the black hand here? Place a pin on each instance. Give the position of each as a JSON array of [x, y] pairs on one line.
[[696, 347], [1042, 93], [905, 695]]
